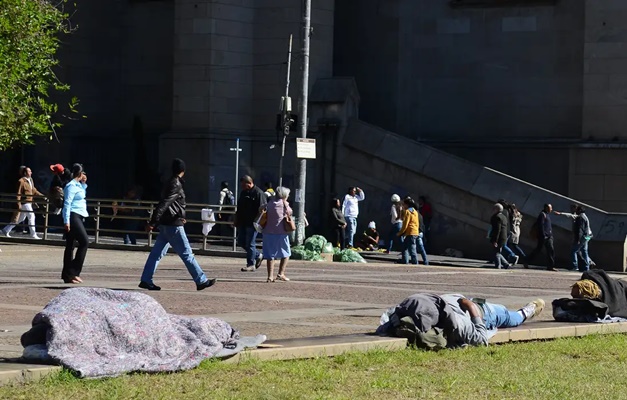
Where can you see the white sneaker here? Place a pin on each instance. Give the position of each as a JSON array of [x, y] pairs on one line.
[[7, 234], [35, 237], [533, 309], [516, 258]]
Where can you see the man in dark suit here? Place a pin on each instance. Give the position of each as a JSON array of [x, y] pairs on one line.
[[498, 236]]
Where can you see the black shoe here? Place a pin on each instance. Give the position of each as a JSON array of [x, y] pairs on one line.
[[149, 286], [259, 261], [206, 284]]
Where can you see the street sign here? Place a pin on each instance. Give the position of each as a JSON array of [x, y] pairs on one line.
[[306, 148]]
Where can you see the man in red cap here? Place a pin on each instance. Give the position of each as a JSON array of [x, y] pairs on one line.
[[61, 177]]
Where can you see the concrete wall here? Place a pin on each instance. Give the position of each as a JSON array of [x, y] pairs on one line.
[[605, 70], [462, 194], [229, 78], [440, 72], [480, 82], [598, 177]]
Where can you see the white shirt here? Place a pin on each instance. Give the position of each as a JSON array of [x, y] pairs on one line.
[[350, 207], [396, 217]]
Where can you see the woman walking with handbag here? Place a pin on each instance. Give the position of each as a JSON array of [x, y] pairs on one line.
[[276, 242], [74, 214]]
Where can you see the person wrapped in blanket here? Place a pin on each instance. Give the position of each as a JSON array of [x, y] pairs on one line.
[[435, 322], [596, 297]]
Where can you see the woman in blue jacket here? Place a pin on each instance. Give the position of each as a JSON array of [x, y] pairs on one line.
[[74, 214]]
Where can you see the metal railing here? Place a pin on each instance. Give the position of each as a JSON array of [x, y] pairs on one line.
[[127, 218]]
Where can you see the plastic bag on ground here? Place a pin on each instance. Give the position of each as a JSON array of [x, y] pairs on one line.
[[315, 243], [300, 253], [348, 256], [328, 248]]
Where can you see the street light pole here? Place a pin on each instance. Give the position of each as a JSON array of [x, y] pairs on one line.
[[237, 150], [302, 127], [286, 111]]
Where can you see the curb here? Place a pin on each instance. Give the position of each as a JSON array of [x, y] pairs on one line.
[[330, 346], [447, 263]]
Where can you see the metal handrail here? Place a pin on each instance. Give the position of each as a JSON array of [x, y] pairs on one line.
[[46, 209]]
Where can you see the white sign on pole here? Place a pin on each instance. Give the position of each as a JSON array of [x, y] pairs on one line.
[[306, 148], [299, 196]]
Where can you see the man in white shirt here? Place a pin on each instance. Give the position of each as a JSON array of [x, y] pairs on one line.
[[350, 208]]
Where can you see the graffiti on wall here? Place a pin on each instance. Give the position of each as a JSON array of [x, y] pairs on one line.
[[614, 227]]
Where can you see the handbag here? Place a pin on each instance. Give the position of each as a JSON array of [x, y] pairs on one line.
[[288, 221], [261, 220]]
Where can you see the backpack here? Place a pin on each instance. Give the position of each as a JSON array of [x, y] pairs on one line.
[[229, 199]]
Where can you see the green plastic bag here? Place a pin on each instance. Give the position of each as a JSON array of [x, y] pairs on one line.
[[301, 253], [328, 248], [348, 256], [315, 243], [298, 253]]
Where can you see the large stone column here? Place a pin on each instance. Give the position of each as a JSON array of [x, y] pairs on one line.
[[212, 89], [599, 168], [229, 75]]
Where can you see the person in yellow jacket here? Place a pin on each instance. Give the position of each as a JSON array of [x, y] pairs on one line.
[[410, 231]]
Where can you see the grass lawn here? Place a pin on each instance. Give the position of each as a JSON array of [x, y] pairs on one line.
[[587, 368]]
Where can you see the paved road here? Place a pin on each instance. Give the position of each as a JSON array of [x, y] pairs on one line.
[[321, 299]]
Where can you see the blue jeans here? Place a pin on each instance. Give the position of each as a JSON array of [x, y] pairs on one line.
[[499, 260], [351, 229], [516, 248], [409, 250], [583, 248], [172, 236], [498, 316], [509, 254], [247, 239], [396, 228], [421, 248]]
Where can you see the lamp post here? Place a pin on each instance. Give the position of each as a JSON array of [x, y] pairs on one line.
[[302, 127], [237, 150], [286, 111]]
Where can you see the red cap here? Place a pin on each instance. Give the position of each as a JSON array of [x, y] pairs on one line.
[[57, 168]]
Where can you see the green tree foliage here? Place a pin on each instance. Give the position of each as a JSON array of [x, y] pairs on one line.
[[30, 33]]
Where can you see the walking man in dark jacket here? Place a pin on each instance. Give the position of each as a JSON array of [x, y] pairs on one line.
[[498, 236], [543, 228], [250, 202], [170, 217]]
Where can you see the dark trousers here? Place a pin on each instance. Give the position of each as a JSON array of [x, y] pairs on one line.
[[73, 264], [338, 236], [547, 243]]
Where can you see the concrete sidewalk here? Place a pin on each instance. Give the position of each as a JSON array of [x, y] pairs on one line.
[[323, 299]]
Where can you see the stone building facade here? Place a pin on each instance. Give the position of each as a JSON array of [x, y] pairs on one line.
[[536, 91]]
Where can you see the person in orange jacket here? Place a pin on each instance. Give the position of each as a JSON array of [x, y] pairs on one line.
[[410, 231]]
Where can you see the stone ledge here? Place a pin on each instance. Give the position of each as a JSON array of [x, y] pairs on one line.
[[325, 346], [330, 346], [24, 373]]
